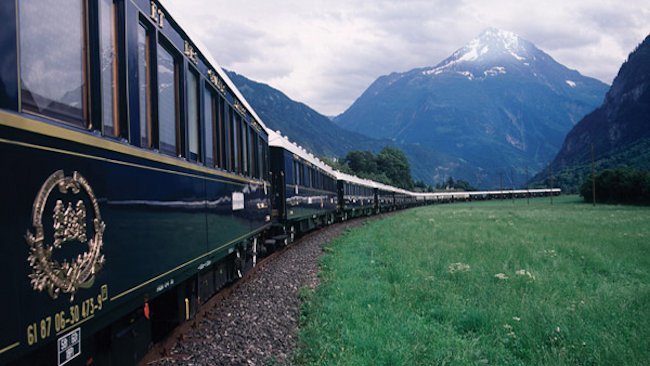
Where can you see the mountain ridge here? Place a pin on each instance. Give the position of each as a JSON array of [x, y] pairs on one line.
[[499, 103], [615, 134], [318, 134]]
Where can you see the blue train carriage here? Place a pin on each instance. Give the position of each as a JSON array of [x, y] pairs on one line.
[[404, 199], [422, 198], [386, 197], [357, 196], [134, 179], [304, 189]]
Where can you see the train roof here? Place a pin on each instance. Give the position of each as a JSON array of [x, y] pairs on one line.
[[387, 187], [277, 140], [203, 49], [356, 180]]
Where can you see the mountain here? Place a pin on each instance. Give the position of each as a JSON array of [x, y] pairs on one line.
[[618, 131], [302, 124], [500, 104], [318, 134]]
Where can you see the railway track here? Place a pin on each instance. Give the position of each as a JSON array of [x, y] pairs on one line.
[[254, 321]]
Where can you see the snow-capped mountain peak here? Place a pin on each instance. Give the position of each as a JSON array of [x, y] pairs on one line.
[[492, 48]]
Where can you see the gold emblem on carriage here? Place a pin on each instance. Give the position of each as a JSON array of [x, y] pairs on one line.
[[68, 226]]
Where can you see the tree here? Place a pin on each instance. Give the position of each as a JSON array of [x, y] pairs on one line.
[[337, 165], [361, 161], [450, 183], [459, 185], [420, 186], [622, 185], [390, 166], [395, 165]]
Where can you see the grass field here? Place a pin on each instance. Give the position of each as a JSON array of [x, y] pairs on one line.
[[496, 283]]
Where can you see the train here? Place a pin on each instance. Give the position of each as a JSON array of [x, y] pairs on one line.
[[137, 181]]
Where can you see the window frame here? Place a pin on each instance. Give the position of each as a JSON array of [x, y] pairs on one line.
[[235, 140], [242, 134], [209, 101], [198, 157], [171, 50], [99, 89], [151, 79], [85, 122], [222, 135]]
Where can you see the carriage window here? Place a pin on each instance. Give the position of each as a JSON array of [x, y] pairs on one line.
[[208, 123], [221, 134], [252, 138], [143, 86], [108, 66], [235, 142], [260, 157], [296, 172], [167, 96], [243, 136], [267, 173], [251, 151], [52, 53], [227, 123], [309, 182], [193, 116]]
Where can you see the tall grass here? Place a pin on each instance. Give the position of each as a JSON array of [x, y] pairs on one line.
[[497, 283]]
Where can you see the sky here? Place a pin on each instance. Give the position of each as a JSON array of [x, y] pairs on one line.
[[325, 53]]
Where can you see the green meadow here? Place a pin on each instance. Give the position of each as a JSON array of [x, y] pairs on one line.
[[485, 283]]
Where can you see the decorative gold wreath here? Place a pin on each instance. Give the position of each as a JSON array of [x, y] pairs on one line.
[[66, 277]]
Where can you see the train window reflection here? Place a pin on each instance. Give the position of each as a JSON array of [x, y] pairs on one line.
[[235, 142], [227, 124], [260, 157], [193, 116], [252, 138], [208, 124], [52, 51], [221, 134], [108, 67], [167, 105], [243, 135], [143, 87]]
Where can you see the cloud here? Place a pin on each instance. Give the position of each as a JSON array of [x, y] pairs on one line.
[[326, 53]]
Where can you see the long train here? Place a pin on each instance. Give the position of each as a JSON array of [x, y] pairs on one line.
[[137, 181]]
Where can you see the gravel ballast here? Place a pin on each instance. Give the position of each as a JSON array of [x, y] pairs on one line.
[[257, 323]]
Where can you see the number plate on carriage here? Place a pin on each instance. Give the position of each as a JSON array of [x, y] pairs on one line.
[[69, 346]]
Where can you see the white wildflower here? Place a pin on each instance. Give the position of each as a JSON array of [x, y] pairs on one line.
[[516, 318], [550, 252], [501, 276], [458, 267], [523, 272], [509, 330]]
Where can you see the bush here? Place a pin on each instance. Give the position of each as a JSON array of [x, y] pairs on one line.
[[620, 185]]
